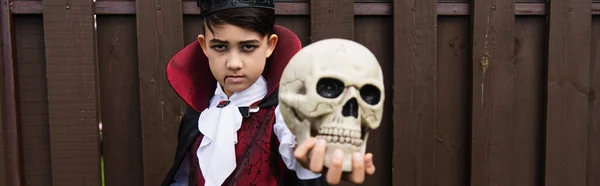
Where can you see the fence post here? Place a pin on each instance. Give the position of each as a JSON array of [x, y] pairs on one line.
[[331, 19], [568, 112], [11, 129], [72, 92], [415, 91], [160, 36], [119, 96], [493, 97]]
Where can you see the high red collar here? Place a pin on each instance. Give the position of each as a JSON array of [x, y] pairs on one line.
[[190, 77]]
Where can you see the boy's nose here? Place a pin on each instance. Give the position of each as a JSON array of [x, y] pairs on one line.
[[234, 62]]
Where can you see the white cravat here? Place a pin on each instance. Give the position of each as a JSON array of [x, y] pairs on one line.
[[216, 154]]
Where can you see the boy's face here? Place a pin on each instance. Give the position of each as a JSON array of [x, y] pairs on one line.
[[236, 56]]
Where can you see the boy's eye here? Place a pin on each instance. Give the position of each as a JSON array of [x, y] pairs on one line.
[[219, 47], [249, 47]]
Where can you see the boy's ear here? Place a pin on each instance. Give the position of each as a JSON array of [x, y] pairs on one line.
[[201, 41], [271, 44]]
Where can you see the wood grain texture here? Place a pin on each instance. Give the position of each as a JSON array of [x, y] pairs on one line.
[[593, 163], [2, 160], [331, 18], [300, 25], [374, 33], [31, 59], [192, 27], [72, 92], [3, 170], [11, 132], [120, 100], [496, 96], [526, 151], [415, 92], [568, 112], [160, 36], [453, 83]]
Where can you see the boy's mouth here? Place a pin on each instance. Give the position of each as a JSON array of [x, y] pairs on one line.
[[234, 79]]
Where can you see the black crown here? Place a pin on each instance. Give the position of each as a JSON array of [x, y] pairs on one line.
[[211, 6]]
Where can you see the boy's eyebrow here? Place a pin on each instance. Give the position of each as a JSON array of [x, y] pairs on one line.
[[218, 41], [253, 41]]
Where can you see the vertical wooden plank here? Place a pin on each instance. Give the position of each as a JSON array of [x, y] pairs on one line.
[[528, 85], [453, 111], [33, 93], [593, 164], [568, 114], [72, 91], [3, 172], [120, 100], [374, 32], [160, 33], [300, 25], [3, 169], [415, 92], [331, 19], [494, 97], [191, 28], [11, 131]]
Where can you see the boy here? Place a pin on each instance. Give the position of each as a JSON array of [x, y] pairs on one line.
[[234, 133]]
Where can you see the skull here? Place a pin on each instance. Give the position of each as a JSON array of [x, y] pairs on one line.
[[333, 89]]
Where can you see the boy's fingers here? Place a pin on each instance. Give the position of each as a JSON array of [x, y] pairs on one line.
[[369, 166], [301, 152], [358, 169], [317, 156], [334, 173]]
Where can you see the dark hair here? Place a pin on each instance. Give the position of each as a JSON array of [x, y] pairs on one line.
[[260, 20]]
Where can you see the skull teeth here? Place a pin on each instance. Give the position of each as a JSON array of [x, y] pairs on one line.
[[338, 139], [340, 132], [340, 135]]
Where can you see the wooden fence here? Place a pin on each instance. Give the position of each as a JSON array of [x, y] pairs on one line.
[[479, 93]]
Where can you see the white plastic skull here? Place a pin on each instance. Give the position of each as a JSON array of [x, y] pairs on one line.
[[333, 89]]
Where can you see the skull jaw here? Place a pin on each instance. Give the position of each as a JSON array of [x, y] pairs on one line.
[[349, 151], [303, 128]]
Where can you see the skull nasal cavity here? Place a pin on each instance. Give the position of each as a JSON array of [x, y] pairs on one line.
[[350, 108]]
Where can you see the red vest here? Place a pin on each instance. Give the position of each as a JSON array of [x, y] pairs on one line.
[[257, 154]]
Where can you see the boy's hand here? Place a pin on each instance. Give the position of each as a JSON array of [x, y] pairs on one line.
[[360, 165]]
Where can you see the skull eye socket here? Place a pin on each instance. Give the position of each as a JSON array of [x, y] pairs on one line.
[[330, 88], [370, 94]]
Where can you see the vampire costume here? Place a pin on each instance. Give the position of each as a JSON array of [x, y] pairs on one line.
[[251, 144]]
